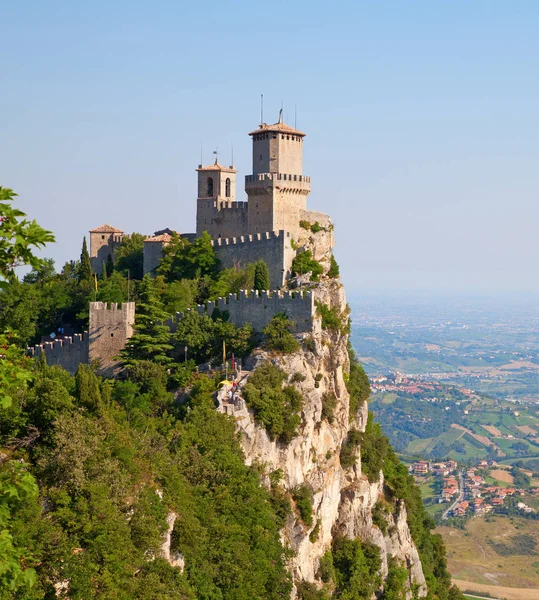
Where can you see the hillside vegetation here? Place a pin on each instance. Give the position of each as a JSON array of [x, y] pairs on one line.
[[137, 487]]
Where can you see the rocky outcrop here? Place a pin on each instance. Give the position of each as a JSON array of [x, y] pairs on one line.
[[343, 499]]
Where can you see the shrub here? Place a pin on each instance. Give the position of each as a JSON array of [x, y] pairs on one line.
[[309, 591], [395, 587], [333, 268], [318, 378], [316, 227], [297, 377], [329, 404], [310, 344], [357, 383], [326, 570], [278, 335], [379, 513], [330, 317], [313, 536], [305, 224], [349, 448], [277, 408], [357, 568], [305, 263], [303, 497]]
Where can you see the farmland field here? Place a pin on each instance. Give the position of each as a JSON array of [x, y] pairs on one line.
[[501, 551]]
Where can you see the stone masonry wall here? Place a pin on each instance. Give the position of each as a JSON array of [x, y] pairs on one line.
[[221, 218], [68, 352], [109, 330], [273, 247], [258, 308], [153, 253]]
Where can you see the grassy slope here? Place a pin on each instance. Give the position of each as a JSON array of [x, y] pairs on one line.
[[472, 558]]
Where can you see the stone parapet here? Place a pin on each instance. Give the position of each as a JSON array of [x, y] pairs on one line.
[[300, 184], [274, 247], [67, 352], [258, 308]]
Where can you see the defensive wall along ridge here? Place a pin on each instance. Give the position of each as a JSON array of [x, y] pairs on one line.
[[68, 352], [258, 308], [274, 247], [111, 326]]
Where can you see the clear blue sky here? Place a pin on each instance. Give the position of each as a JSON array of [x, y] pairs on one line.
[[421, 121]]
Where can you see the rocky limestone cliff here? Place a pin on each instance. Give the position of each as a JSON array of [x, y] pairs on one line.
[[343, 499]]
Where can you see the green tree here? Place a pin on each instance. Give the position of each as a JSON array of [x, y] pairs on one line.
[[261, 278], [19, 237], [85, 272], [333, 268], [18, 240], [305, 263], [185, 260], [17, 488], [276, 406], [151, 340], [130, 256], [278, 334], [109, 265]]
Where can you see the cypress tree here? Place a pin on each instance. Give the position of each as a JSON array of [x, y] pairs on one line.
[[87, 387], [109, 265], [85, 271], [151, 340], [262, 279]]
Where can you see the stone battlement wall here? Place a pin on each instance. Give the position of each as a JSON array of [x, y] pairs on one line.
[[68, 352], [110, 328], [221, 218], [258, 308], [274, 247]]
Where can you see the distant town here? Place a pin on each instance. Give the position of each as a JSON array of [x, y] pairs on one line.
[[468, 489]]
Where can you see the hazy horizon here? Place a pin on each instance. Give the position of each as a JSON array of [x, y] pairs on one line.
[[421, 125]]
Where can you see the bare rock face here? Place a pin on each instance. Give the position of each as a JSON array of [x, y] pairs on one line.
[[343, 499]]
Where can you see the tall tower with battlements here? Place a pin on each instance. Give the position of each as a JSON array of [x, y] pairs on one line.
[[218, 213], [277, 190]]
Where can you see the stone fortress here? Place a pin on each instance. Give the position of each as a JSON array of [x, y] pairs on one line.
[[266, 226]]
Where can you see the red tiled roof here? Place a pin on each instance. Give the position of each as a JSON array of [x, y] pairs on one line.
[[106, 229], [278, 127]]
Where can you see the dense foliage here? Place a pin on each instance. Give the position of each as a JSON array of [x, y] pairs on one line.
[[113, 459], [94, 472], [275, 405], [305, 263], [278, 336], [357, 383]]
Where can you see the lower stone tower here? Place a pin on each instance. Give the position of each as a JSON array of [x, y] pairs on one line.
[[104, 240], [109, 330]]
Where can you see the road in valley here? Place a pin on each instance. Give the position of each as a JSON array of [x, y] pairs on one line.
[[459, 499]]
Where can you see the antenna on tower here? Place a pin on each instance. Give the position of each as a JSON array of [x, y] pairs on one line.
[[295, 116], [201, 163], [232, 153], [261, 108]]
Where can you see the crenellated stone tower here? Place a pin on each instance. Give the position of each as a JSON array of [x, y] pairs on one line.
[[218, 213], [277, 190], [104, 240]]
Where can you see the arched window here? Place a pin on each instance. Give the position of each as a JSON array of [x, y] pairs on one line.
[[227, 187], [210, 187]]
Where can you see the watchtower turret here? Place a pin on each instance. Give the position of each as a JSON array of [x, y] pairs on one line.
[[104, 240], [218, 213], [277, 189]]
